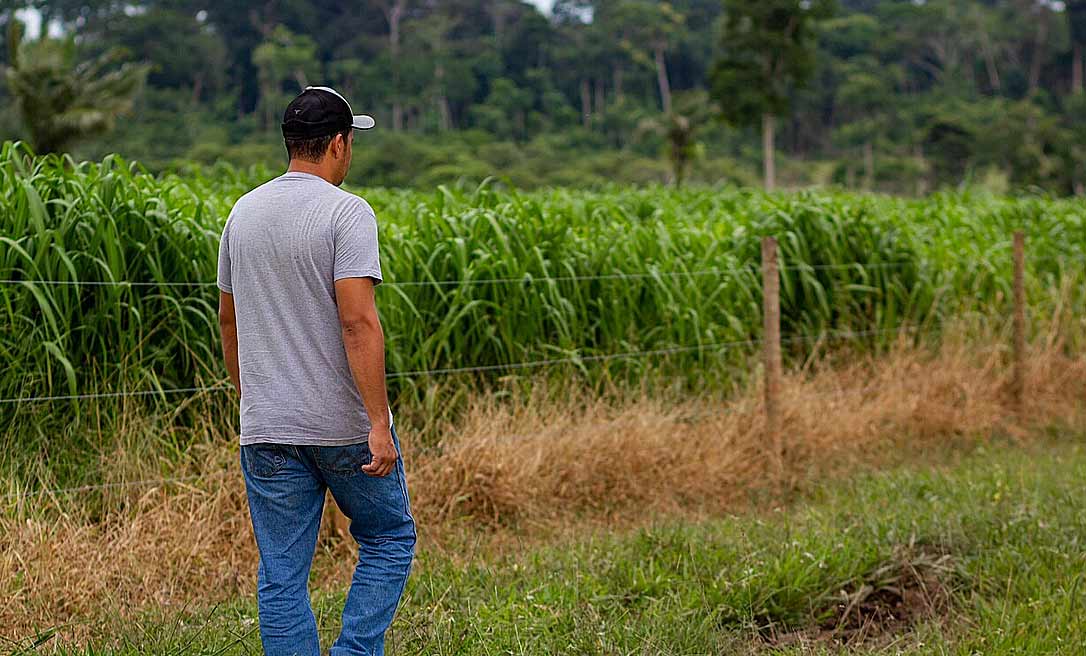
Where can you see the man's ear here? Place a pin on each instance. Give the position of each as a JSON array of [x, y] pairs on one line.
[[338, 146]]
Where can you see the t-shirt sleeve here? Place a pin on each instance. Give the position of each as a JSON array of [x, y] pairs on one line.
[[354, 241], [224, 281]]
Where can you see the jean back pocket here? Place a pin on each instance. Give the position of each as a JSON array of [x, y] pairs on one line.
[[264, 460], [345, 460]]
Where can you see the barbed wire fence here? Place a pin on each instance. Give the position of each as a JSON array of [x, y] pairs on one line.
[[526, 279], [770, 343]]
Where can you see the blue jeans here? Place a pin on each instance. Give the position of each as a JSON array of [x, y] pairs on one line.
[[286, 489]]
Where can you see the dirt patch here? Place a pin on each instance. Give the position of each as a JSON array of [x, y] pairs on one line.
[[885, 604]]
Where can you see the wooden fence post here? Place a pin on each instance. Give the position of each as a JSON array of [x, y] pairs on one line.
[[771, 309], [1019, 383]]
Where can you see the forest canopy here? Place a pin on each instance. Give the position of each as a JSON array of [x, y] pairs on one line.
[[895, 95]]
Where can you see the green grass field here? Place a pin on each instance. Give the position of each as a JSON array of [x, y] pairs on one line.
[[983, 554]]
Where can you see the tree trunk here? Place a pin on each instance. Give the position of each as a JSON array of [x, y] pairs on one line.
[[661, 78], [394, 14], [869, 165], [197, 87], [1076, 68], [301, 79], [586, 103], [921, 180], [397, 115], [990, 63], [616, 80], [598, 85], [442, 99], [1038, 52], [444, 112], [769, 127], [499, 12], [264, 105]]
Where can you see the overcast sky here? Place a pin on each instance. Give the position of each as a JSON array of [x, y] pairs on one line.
[[544, 5]]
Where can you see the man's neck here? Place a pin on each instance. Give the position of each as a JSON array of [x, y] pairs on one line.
[[319, 170]]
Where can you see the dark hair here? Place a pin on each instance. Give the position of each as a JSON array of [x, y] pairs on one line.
[[313, 148]]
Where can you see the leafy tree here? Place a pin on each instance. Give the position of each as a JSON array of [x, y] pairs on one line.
[[1039, 14], [1074, 142], [864, 87], [183, 52], [1031, 144], [647, 30], [865, 99], [582, 54], [767, 50], [505, 111], [394, 12], [440, 73], [549, 109], [284, 57], [1076, 20], [679, 128], [63, 100]]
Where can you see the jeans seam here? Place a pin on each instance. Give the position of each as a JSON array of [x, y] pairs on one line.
[[401, 473]]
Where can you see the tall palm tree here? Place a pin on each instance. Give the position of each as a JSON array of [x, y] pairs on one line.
[[62, 100], [679, 128]]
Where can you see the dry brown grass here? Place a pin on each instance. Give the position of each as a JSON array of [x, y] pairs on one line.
[[617, 464]]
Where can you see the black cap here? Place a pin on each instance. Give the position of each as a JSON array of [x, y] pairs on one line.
[[320, 111]]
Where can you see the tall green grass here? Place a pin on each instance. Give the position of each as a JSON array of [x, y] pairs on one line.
[[684, 266]]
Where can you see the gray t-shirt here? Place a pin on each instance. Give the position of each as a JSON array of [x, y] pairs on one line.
[[284, 245]]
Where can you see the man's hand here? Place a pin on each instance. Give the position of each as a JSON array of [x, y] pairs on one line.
[[384, 453]]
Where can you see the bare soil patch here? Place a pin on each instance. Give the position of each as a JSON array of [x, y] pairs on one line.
[[885, 605]]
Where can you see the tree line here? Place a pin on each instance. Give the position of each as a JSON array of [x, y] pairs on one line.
[[900, 95]]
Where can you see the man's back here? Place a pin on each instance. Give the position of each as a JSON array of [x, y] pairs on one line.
[[283, 247]]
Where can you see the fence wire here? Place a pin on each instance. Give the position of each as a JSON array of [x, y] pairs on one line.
[[831, 335], [525, 279], [79, 489], [107, 395], [543, 279], [505, 439]]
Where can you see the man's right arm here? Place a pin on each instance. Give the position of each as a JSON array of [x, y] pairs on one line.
[[228, 328], [364, 342]]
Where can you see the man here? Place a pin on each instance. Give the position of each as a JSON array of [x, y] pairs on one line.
[[298, 264]]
